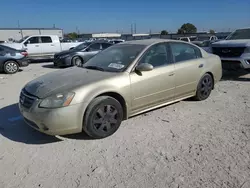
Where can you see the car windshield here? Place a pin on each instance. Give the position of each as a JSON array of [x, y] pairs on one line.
[[21, 40], [239, 34], [115, 58], [82, 46]]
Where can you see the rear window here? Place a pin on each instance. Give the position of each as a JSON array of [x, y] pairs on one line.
[[46, 39]]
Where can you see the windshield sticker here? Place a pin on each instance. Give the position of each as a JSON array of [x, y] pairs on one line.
[[116, 65]]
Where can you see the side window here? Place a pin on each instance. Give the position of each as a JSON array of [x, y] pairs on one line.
[[105, 45], [33, 40], [1, 49], [94, 47], [46, 39], [157, 55], [184, 52], [185, 39]]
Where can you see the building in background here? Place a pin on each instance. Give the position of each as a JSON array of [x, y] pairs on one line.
[[10, 34]]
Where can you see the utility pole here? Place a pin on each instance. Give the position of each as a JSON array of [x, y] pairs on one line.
[[77, 31], [131, 28], [18, 25], [135, 27], [54, 25]]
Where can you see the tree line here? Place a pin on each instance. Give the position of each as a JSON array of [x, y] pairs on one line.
[[186, 28]]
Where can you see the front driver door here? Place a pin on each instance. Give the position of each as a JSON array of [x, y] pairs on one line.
[[155, 87], [33, 46]]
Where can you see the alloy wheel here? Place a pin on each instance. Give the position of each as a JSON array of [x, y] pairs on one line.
[[105, 118], [11, 67], [206, 86]]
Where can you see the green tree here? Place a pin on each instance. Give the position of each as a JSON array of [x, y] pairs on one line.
[[164, 32], [73, 35], [187, 28], [211, 31]]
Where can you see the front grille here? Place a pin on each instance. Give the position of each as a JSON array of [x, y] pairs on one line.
[[231, 64], [26, 99], [228, 52]]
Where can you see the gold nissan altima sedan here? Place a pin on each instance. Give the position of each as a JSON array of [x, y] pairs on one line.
[[123, 80]]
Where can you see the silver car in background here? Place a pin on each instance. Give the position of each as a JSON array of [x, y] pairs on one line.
[[80, 54]]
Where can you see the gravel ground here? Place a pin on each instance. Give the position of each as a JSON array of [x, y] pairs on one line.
[[187, 144]]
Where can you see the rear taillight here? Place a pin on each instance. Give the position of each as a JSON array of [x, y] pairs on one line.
[[24, 53]]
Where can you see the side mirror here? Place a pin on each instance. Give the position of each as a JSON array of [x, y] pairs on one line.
[[144, 67], [87, 50], [71, 48]]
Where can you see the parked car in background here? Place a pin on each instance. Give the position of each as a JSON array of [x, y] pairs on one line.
[[11, 59], [42, 46], [234, 51], [121, 81], [115, 41], [187, 39], [80, 54], [205, 45]]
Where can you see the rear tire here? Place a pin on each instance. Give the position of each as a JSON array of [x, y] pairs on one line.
[[77, 61], [103, 117], [11, 67], [204, 87]]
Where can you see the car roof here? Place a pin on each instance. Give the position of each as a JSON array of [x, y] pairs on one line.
[[99, 41], [146, 42]]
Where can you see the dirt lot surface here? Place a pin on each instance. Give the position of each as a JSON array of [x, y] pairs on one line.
[[187, 144]]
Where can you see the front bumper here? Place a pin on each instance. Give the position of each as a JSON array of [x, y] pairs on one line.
[[23, 62], [237, 62], [59, 121], [62, 62]]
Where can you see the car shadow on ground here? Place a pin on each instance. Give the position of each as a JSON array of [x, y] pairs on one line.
[[235, 75], [50, 66], [78, 136], [33, 61], [3, 73], [13, 127]]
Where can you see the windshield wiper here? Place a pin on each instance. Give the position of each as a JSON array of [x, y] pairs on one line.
[[94, 68]]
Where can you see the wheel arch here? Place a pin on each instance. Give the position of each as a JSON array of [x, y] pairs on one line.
[[119, 98], [211, 74], [11, 60], [74, 57], [114, 95]]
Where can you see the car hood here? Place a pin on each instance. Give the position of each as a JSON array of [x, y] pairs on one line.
[[65, 80], [18, 46], [232, 43], [65, 52]]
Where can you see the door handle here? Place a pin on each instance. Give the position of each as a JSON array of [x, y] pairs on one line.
[[52, 45], [36, 45], [201, 65], [171, 74]]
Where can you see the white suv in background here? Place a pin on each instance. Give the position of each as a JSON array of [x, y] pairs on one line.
[[234, 51]]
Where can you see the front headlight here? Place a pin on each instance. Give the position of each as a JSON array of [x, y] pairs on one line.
[[58, 100]]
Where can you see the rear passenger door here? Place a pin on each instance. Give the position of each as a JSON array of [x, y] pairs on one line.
[[188, 64], [47, 46]]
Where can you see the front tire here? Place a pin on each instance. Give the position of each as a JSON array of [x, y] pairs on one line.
[[103, 117], [204, 87], [77, 61], [11, 67]]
